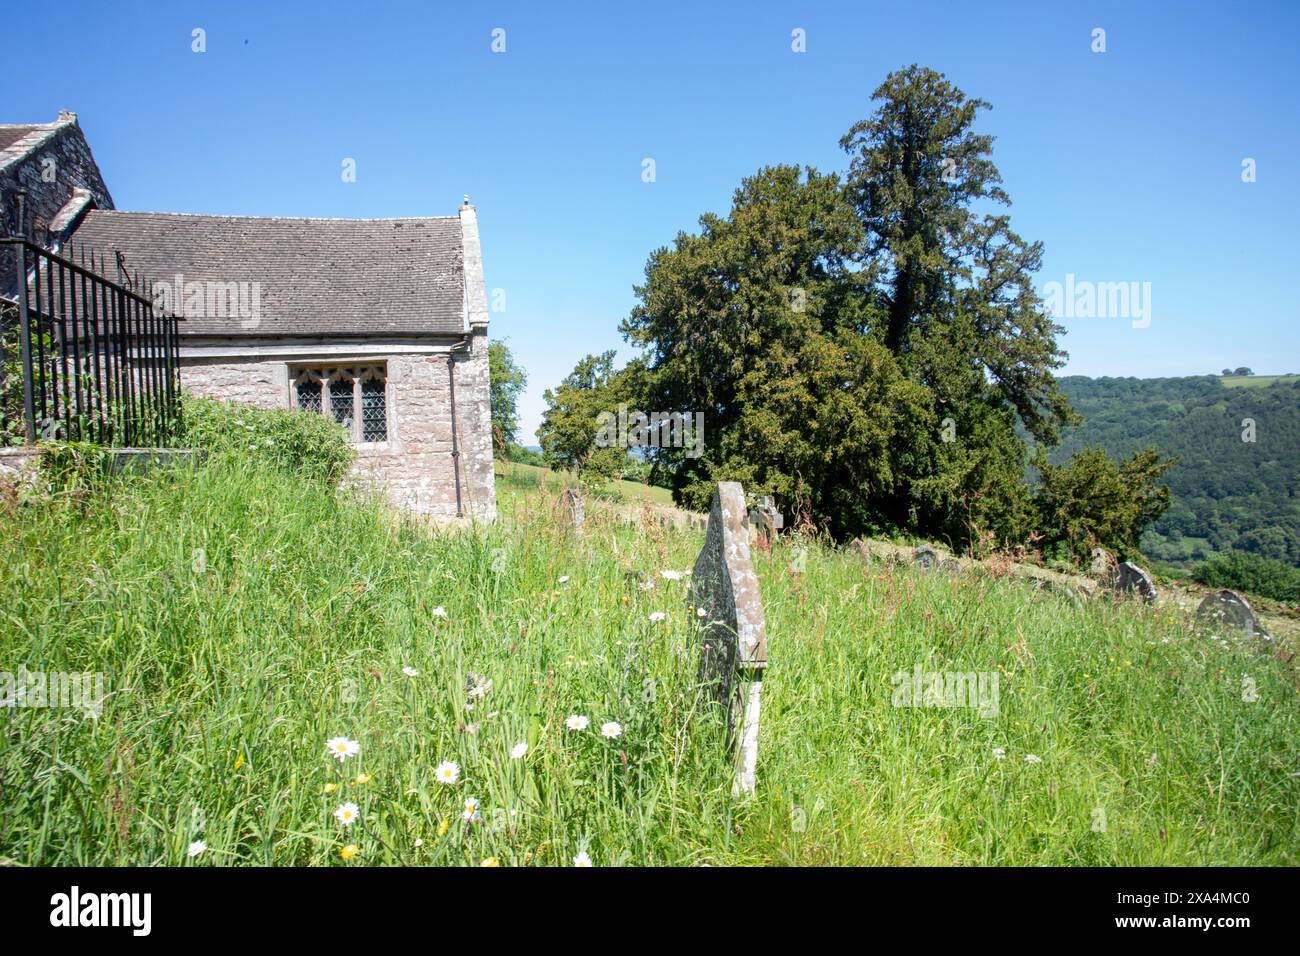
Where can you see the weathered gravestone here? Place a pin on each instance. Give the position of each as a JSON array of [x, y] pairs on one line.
[[925, 557], [765, 521], [1103, 564], [733, 635], [1227, 611], [570, 508], [1128, 578]]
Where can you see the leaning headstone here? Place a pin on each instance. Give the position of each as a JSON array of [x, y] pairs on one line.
[[765, 521], [1129, 578], [571, 510], [733, 635], [1103, 563], [925, 557], [1226, 610]]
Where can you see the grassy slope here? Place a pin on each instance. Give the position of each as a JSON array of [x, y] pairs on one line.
[[1252, 381], [519, 473], [226, 681]]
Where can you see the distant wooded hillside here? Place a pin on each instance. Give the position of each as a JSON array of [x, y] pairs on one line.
[[1235, 486]]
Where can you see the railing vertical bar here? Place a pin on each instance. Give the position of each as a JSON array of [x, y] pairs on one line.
[[123, 364], [89, 298], [62, 397], [76, 375], [142, 353], [45, 313], [155, 377], [25, 344], [111, 356]]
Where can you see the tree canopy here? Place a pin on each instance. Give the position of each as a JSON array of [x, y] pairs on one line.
[[869, 349], [508, 382]]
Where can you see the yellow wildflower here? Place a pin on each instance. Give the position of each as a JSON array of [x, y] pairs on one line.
[[349, 851]]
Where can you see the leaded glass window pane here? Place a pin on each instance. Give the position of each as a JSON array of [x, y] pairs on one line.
[[309, 396], [341, 401], [374, 412]]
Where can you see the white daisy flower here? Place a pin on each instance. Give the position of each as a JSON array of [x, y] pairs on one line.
[[657, 616], [518, 751], [410, 672], [195, 848], [342, 748], [582, 859], [671, 575], [700, 612], [1033, 758], [439, 611], [563, 578], [447, 772], [646, 586], [470, 813], [999, 752], [347, 814], [611, 729], [419, 842], [577, 722]]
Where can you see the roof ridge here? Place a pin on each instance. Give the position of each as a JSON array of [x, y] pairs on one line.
[[217, 215]]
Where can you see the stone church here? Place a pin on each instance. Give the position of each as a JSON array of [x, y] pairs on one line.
[[381, 324]]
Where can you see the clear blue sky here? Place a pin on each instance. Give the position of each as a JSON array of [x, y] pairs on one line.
[[1126, 164]]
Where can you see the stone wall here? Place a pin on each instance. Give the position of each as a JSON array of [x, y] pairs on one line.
[[415, 466], [53, 165], [19, 465]]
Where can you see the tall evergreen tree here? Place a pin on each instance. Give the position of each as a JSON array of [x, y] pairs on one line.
[[953, 285], [949, 275]]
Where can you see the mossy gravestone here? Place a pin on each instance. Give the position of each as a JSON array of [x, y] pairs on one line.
[[1225, 612], [1129, 579], [729, 618], [571, 510]]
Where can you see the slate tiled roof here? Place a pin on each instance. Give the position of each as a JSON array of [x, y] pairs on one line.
[[12, 134], [318, 277]]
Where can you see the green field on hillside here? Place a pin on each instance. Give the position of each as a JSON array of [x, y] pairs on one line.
[[1254, 381], [519, 473], [242, 618]]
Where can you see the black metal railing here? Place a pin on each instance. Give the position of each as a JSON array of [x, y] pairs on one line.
[[97, 362]]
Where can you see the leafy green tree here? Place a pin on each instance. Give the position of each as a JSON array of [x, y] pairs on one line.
[[1096, 501], [1252, 573], [570, 423], [864, 351], [508, 381], [756, 323]]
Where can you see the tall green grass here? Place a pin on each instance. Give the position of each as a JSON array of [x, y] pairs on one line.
[[244, 616]]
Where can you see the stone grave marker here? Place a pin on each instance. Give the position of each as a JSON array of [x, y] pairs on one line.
[[570, 508], [729, 617], [1102, 564], [1128, 578], [765, 521], [1227, 611], [925, 557]]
